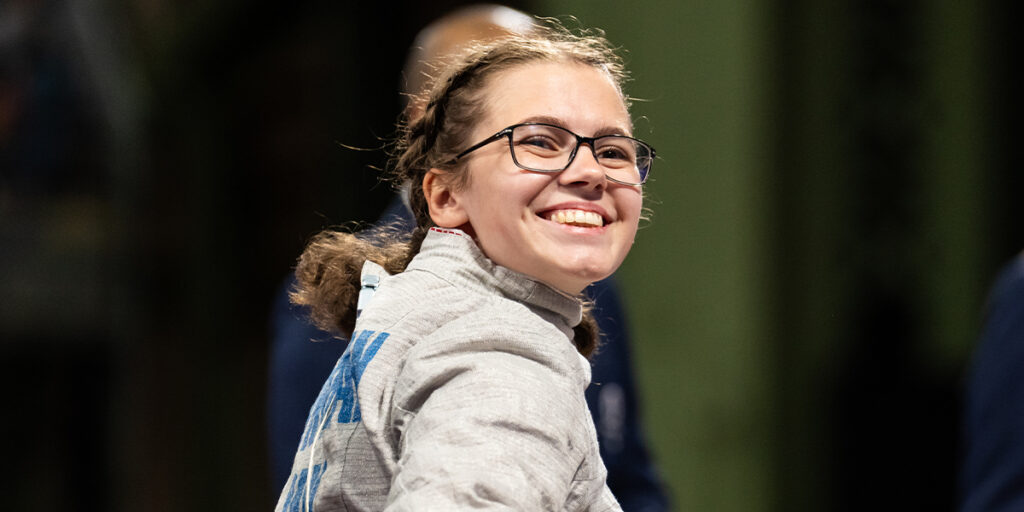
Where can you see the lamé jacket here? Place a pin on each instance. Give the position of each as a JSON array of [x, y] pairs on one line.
[[460, 389]]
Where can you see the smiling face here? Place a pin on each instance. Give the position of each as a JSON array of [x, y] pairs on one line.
[[566, 229]]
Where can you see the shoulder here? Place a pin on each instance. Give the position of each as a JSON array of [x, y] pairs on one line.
[[437, 312], [412, 301], [506, 330], [1005, 313], [442, 333], [518, 354]]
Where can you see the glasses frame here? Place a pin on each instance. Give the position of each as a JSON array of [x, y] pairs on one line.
[[580, 140]]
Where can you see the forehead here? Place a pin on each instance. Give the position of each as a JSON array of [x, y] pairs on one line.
[[584, 98]]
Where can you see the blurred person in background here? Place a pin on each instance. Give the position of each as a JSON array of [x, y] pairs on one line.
[[302, 356], [992, 472]]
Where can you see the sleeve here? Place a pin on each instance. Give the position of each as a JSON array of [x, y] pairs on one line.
[[992, 475], [488, 423]]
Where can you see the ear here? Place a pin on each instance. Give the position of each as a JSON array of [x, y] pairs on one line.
[[443, 202]]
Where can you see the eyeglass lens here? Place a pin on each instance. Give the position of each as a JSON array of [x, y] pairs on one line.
[[549, 148]]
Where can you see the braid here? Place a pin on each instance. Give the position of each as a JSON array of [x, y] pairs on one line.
[[587, 335], [328, 273]]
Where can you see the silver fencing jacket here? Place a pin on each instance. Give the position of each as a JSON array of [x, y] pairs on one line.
[[460, 389]]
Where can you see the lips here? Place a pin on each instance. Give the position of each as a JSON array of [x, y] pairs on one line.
[[574, 217]]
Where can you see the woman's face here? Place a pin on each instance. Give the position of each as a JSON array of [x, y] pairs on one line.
[[544, 224]]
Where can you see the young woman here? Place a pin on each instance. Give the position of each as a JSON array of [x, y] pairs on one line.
[[462, 386]]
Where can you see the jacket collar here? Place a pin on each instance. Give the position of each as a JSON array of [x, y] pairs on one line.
[[454, 256]]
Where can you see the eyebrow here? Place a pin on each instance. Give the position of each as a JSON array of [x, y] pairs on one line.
[[607, 130]]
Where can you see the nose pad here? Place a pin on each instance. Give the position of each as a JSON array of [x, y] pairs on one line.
[[584, 169]]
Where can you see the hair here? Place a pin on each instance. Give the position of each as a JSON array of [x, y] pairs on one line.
[[328, 271]]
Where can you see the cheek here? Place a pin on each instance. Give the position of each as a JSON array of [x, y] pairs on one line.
[[514, 193], [630, 204]]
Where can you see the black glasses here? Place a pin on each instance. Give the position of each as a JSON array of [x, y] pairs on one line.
[[544, 147]]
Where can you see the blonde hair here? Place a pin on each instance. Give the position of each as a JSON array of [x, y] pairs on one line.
[[328, 270]]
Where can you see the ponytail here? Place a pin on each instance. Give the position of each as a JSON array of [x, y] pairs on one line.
[[328, 272]]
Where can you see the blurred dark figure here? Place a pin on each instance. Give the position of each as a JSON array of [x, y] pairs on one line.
[[48, 141], [54, 242], [302, 356], [992, 475]]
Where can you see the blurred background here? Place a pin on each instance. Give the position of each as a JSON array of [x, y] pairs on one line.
[[838, 184]]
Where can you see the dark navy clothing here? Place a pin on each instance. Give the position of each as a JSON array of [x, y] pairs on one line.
[[992, 474], [302, 357]]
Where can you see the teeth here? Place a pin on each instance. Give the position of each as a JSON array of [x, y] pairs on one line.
[[576, 218]]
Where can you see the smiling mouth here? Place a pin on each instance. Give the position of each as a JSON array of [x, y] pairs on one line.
[[580, 218]]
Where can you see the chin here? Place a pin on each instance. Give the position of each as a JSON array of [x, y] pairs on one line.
[[584, 277], [593, 268]]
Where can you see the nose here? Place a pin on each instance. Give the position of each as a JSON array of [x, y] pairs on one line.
[[584, 170]]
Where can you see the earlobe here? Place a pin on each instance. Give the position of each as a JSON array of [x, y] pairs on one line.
[[445, 208]]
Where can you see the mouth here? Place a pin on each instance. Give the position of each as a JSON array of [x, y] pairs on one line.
[[575, 217]]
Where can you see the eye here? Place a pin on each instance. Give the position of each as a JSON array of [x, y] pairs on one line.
[[617, 153], [539, 142]]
